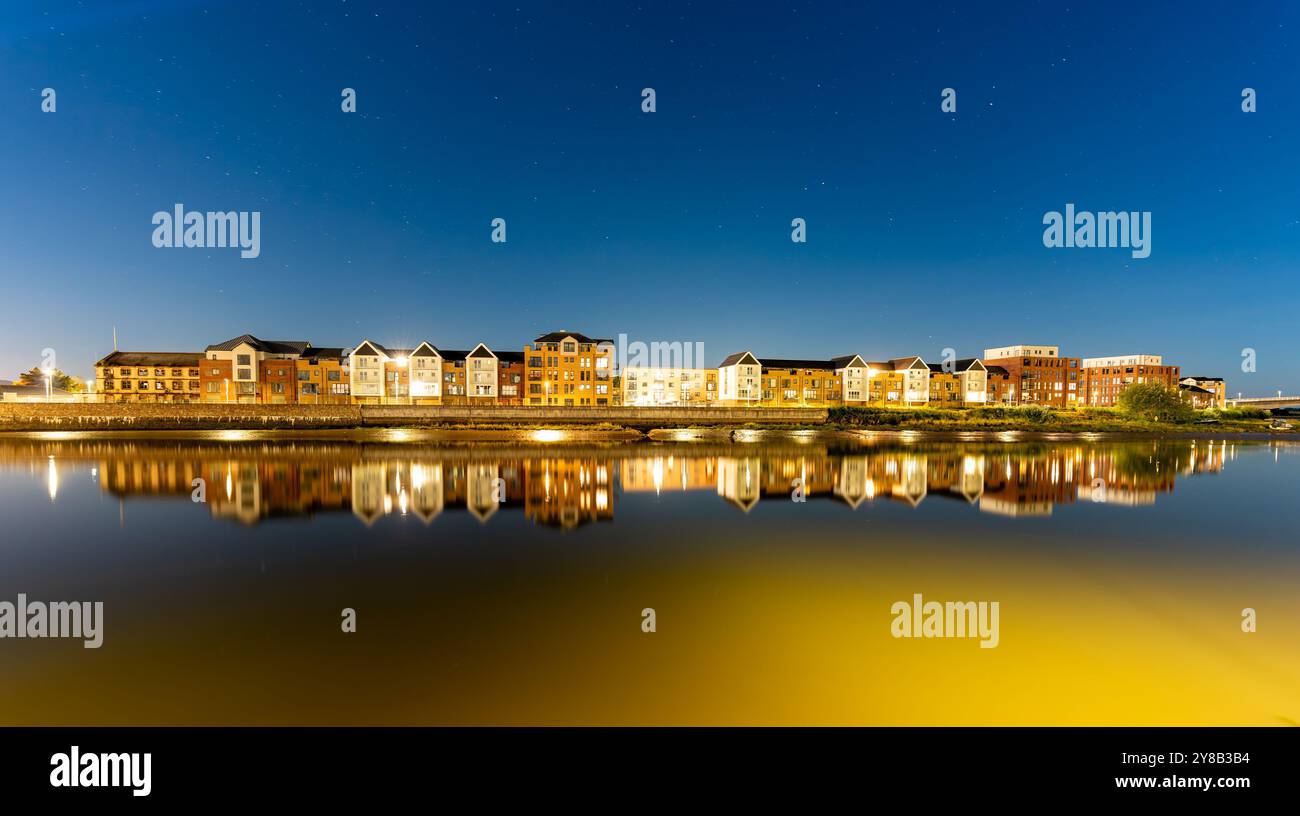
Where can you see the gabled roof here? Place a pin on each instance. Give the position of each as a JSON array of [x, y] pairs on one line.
[[1205, 379], [997, 371], [555, 337], [267, 346], [426, 349], [369, 348], [1194, 389], [901, 363], [733, 359], [151, 358], [958, 366], [848, 361], [481, 351]]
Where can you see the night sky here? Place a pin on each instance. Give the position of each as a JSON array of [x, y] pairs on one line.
[[924, 227]]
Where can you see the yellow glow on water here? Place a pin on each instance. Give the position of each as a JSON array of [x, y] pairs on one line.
[[52, 479], [548, 435]]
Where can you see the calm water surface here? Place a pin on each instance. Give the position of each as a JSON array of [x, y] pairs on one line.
[[1121, 570]]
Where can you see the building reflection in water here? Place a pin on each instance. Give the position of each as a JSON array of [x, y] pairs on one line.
[[569, 488]]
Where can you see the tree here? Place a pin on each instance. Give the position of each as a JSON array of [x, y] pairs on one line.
[[1156, 402], [59, 380]]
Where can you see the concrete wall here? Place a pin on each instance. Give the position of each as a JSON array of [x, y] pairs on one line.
[[146, 416]]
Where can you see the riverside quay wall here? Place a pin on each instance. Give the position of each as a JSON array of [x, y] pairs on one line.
[[148, 417]]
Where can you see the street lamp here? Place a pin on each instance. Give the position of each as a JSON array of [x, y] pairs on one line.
[[49, 383], [227, 382]]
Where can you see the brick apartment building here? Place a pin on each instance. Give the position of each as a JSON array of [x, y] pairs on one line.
[[1104, 378], [1040, 375]]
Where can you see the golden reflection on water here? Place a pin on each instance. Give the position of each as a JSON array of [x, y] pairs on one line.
[[569, 487], [764, 615]]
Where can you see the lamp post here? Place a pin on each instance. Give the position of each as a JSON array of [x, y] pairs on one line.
[[49, 384], [227, 382]]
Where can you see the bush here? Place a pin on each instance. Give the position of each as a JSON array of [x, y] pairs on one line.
[[1018, 413], [1155, 402], [1238, 413]]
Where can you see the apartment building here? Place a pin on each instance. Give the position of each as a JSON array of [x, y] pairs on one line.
[[647, 386], [369, 365], [510, 377], [569, 369], [778, 382], [1041, 375], [323, 377], [1205, 392], [797, 382], [149, 376], [424, 375], [247, 369], [1105, 378], [739, 379], [1000, 389], [960, 384], [901, 381], [481, 376]]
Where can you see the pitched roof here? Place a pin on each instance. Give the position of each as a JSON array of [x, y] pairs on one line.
[[267, 346], [732, 359], [315, 353], [510, 356], [151, 358], [481, 351], [900, 363], [776, 362], [555, 337], [847, 360], [997, 371], [1195, 389], [1205, 379], [957, 366]]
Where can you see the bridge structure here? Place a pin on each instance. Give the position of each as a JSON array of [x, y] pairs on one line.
[[1264, 402]]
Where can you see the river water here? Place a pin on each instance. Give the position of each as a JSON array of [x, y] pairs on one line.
[[513, 583]]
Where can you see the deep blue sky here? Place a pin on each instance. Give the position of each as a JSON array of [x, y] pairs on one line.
[[924, 227]]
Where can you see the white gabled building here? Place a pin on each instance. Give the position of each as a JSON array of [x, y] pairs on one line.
[[740, 379], [854, 375], [481, 373], [425, 369]]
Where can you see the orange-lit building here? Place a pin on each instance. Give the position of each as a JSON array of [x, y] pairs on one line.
[[149, 376], [569, 369], [323, 377]]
